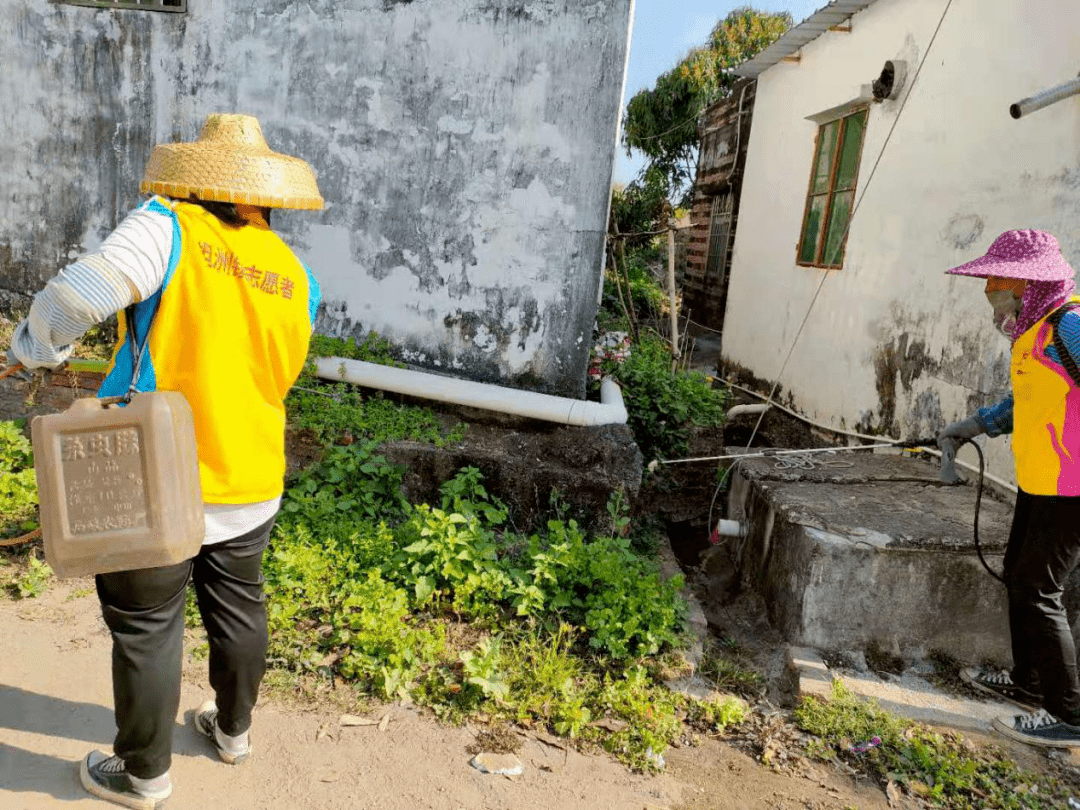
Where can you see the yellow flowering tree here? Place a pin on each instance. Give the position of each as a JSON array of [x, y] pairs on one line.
[[662, 122]]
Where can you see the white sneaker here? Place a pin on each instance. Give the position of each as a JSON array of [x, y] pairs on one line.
[[231, 750]]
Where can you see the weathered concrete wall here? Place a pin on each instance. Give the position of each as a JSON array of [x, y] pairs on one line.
[[893, 344], [464, 148], [878, 553]]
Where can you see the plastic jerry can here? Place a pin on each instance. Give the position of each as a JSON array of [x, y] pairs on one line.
[[118, 485]]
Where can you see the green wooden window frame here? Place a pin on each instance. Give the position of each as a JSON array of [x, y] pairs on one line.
[[138, 5], [831, 193]]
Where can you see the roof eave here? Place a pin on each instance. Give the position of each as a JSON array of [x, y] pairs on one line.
[[835, 13]]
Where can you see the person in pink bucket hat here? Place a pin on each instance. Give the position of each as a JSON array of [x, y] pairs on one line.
[[1030, 287]]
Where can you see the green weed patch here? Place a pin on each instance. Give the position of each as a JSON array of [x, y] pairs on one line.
[[18, 487], [661, 403], [375, 591], [940, 769], [331, 411]]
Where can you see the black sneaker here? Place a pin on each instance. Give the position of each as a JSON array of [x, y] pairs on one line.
[[999, 683], [106, 777], [1039, 728], [205, 720]]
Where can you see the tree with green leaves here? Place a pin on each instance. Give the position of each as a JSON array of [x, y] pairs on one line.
[[640, 207], [662, 122]]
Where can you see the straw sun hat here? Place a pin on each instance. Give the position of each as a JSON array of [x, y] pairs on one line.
[[231, 162]]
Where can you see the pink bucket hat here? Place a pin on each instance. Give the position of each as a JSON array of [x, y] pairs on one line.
[[1031, 255]]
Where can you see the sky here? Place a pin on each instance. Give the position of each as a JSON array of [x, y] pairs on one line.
[[661, 38]]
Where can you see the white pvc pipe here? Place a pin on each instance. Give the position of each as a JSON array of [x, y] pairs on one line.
[[739, 410], [610, 410], [731, 528]]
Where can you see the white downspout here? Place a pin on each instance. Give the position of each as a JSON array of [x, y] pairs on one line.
[[610, 410]]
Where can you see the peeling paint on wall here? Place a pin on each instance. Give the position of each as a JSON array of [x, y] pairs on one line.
[[466, 191]]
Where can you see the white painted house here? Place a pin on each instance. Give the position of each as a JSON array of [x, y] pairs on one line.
[[892, 345]]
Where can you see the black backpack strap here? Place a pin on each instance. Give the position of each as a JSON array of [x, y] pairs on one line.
[[1067, 359]]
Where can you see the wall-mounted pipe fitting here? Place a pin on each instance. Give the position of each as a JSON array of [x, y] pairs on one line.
[[890, 83], [732, 528], [740, 410], [1044, 99]]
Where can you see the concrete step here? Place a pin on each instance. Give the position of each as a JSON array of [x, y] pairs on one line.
[[907, 695]]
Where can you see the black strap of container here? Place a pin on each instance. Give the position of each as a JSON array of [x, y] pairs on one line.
[[1067, 359]]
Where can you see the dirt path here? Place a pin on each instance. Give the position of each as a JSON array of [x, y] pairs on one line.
[[55, 704]]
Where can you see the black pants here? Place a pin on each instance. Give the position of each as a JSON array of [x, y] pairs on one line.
[[144, 611], [1043, 549]]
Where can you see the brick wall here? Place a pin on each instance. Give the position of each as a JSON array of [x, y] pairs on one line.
[[724, 135]]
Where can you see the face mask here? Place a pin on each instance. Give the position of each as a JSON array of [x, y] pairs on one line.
[[1006, 310]]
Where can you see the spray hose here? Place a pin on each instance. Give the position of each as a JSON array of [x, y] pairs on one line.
[[978, 505]]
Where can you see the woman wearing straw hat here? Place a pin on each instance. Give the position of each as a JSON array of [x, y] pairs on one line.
[[1030, 286], [225, 312]]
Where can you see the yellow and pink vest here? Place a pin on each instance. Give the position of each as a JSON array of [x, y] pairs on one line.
[[1046, 417], [229, 328]]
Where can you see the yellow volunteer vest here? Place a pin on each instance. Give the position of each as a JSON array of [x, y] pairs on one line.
[[1046, 417], [231, 330]]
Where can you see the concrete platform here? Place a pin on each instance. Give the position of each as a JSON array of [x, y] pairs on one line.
[[864, 548]]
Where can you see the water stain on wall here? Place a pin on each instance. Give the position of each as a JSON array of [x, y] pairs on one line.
[[963, 231], [902, 359]]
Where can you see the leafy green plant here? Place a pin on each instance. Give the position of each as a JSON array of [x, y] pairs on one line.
[[32, 582], [548, 683], [641, 207], [350, 481], [337, 411], [483, 669], [448, 557], [18, 487], [334, 412], [372, 349], [365, 587], [662, 403]]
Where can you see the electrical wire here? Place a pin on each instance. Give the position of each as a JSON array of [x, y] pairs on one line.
[[851, 218]]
